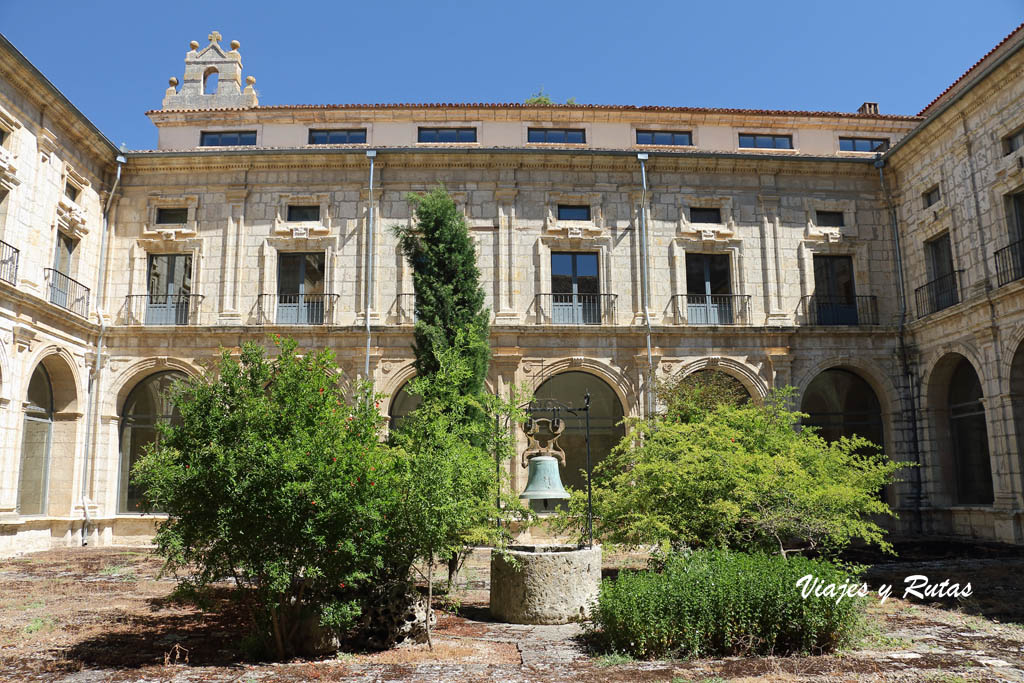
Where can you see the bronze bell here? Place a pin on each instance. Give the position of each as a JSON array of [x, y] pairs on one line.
[[544, 481]]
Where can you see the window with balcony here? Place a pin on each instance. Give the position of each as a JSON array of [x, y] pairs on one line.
[[828, 219], [565, 136], [337, 137], [680, 138], [709, 297], [169, 287], [573, 212], [446, 135], [63, 290], [300, 289], [941, 290], [763, 141], [575, 289], [863, 144], [835, 299], [227, 138], [1010, 259], [303, 213]]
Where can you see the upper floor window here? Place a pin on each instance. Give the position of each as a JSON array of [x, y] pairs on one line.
[[931, 196], [227, 138], [702, 215], [71, 192], [337, 137], [572, 212], [829, 219], [1013, 142], [664, 137], [570, 136], [863, 144], [762, 141], [174, 216], [447, 135], [303, 213]]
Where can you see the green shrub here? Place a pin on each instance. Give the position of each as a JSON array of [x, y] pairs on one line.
[[716, 602]]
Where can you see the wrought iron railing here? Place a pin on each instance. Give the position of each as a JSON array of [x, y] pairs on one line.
[[162, 309], [575, 309], [405, 309], [711, 309], [296, 309], [8, 263], [67, 292], [938, 294], [1010, 263], [840, 310]]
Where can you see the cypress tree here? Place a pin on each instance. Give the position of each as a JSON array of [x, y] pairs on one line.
[[446, 279]]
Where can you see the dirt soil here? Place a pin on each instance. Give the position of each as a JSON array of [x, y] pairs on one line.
[[105, 614]]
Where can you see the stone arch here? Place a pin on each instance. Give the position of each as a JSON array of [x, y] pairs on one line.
[[129, 377], [877, 379], [1012, 345], [749, 377], [612, 377], [68, 389], [1015, 391], [396, 382], [5, 374], [211, 79], [955, 402]]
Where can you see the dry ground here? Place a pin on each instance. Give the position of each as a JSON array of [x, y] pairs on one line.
[[102, 614]]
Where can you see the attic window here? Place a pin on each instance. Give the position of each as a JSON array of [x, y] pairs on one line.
[[302, 213], [573, 212], [829, 219], [172, 216], [210, 81], [705, 215], [227, 138], [70, 191]]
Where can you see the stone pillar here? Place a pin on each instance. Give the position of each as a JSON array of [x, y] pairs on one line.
[[505, 376], [636, 218], [1004, 454], [505, 271], [369, 298], [770, 255], [231, 271]]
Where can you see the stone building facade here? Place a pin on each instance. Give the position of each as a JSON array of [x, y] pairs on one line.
[[781, 248]]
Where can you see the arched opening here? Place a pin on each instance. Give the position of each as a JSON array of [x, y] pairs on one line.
[[841, 403], [146, 406], [402, 403], [606, 415], [37, 436], [1017, 395], [969, 436], [210, 80]]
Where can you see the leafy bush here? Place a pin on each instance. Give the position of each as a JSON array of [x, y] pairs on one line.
[[738, 476], [716, 603], [275, 480]]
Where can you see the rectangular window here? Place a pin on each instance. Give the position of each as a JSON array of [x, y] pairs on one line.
[[761, 141], [71, 192], [565, 136], [828, 219], [64, 291], [170, 284], [62, 258], [941, 290], [1013, 142], [932, 196], [300, 289], [227, 138], [575, 289], [337, 137], [573, 212], [446, 135], [683, 138], [835, 296], [699, 215], [303, 213], [709, 299], [1017, 209], [863, 144], [175, 216]]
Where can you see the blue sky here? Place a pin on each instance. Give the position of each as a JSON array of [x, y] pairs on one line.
[[113, 58]]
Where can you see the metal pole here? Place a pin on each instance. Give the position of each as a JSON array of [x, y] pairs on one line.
[[645, 287], [590, 502]]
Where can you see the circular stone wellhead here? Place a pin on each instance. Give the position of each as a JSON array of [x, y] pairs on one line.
[[548, 584]]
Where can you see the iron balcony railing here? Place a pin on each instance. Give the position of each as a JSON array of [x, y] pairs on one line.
[[840, 310], [938, 294], [711, 309], [67, 292], [575, 309], [296, 309], [162, 309], [8, 263], [405, 309], [1010, 263]]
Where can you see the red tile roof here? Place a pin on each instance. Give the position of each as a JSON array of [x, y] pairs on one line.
[[519, 105], [974, 68]]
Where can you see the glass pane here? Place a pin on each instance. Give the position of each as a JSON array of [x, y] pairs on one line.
[[644, 138], [535, 135], [428, 135], [175, 216], [357, 136], [467, 135], [40, 396], [765, 141], [718, 274], [62, 259], [683, 139], [663, 138], [446, 135], [318, 137], [303, 213], [313, 282], [288, 273], [696, 284], [783, 142], [845, 144], [701, 215], [569, 212], [574, 137], [247, 138], [35, 454], [746, 141], [183, 274], [229, 138], [159, 274]]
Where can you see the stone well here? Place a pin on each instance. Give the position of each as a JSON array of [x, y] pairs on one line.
[[553, 584]]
